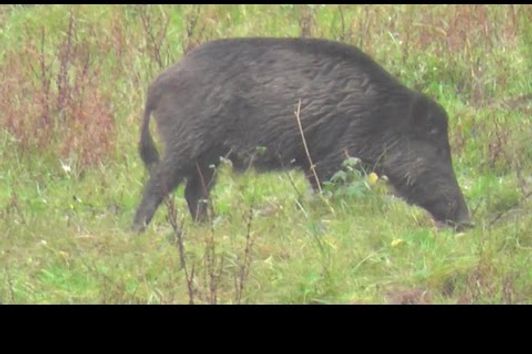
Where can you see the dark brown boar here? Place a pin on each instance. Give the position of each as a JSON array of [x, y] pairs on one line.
[[228, 97]]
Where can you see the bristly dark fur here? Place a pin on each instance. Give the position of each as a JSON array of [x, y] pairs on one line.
[[228, 97]]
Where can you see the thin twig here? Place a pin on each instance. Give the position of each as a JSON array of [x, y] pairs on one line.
[[178, 229], [190, 284], [205, 187], [246, 263], [342, 22], [292, 182], [312, 166], [214, 274], [178, 235]]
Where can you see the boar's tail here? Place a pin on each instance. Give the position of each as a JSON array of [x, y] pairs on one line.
[[147, 149]]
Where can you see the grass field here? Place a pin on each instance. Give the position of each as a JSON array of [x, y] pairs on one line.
[[74, 80]]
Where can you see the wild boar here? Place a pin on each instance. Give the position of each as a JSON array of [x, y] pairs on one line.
[[228, 97]]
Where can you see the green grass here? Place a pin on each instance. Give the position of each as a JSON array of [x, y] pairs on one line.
[[70, 175]]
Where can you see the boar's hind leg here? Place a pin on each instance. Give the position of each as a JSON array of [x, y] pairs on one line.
[[197, 192], [164, 179]]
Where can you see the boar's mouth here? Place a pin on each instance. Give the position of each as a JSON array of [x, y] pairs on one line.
[[459, 224], [458, 227], [449, 212]]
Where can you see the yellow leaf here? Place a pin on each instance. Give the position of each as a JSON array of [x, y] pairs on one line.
[[373, 178], [396, 242]]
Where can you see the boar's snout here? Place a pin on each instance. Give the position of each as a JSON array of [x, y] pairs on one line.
[[451, 211], [462, 220]]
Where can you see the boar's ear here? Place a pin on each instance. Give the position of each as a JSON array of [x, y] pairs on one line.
[[419, 111], [427, 117]]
